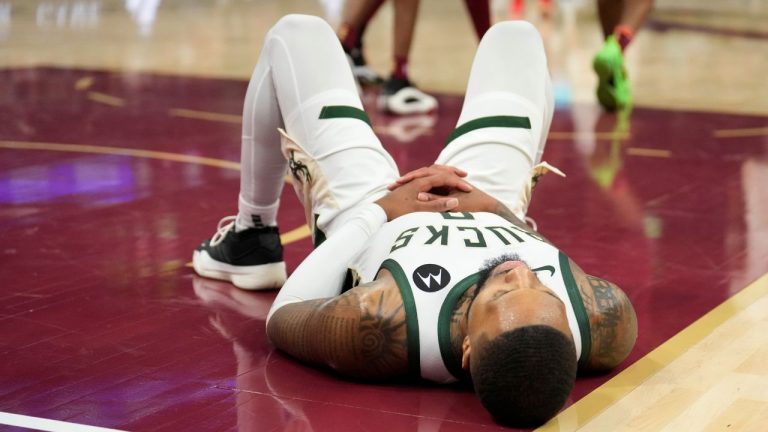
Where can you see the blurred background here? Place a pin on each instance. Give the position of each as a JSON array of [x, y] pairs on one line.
[[690, 54]]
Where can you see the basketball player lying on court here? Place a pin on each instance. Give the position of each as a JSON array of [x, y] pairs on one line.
[[450, 284]]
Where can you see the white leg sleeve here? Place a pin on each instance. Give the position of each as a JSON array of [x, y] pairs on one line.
[[301, 72], [506, 115]]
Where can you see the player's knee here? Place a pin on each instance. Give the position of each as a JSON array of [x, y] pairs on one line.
[[297, 25], [516, 32]]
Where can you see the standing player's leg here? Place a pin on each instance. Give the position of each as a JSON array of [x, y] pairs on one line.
[[620, 20], [357, 15], [480, 14], [399, 95], [332, 153], [507, 112]]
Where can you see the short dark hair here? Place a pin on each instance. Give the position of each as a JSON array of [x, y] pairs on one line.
[[524, 376]]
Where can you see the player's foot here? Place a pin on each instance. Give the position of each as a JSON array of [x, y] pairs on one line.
[[251, 259], [400, 96], [613, 85], [363, 74]]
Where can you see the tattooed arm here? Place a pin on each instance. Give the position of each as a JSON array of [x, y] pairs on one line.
[[612, 320], [501, 210], [477, 200], [360, 333]]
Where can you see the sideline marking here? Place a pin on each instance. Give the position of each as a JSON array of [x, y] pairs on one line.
[[288, 237], [106, 99], [84, 83], [205, 115], [637, 151], [600, 399], [44, 424], [739, 133], [120, 151], [295, 235], [588, 135]]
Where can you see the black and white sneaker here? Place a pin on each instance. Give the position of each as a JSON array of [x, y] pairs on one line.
[[251, 259], [400, 96], [365, 75]]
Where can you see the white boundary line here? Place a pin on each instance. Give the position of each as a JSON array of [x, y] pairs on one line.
[[44, 424]]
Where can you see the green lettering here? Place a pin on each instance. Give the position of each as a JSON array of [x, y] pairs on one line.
[[403, 239], [442, 234], [528, 233], [496, 229], [457, 216], [480, 239]]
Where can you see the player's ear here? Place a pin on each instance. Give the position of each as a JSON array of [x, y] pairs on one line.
[[465, 350]]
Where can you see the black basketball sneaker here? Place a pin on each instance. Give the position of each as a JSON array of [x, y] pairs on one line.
[[363, 73], [251, 259], [400, 96]]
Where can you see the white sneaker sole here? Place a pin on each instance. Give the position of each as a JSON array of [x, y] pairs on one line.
[[258, 277], [422, 103]]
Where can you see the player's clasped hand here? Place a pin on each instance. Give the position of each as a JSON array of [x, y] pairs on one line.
[[455, 181], [403, 196], [470, 198]]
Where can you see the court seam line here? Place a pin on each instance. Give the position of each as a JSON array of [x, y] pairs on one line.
[[603, 397]]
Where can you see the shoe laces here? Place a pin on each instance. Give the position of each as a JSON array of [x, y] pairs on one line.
[[226, 224], [537, 172], [532, 223]]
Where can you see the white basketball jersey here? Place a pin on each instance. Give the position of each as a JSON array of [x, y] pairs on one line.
[[435, 258]]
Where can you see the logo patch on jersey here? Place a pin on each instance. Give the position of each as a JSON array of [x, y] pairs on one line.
[[549, 268], [431, 277]]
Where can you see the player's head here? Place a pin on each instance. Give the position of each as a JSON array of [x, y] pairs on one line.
[[519, 348]]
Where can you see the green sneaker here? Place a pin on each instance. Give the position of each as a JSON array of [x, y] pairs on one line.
[[613, 85]]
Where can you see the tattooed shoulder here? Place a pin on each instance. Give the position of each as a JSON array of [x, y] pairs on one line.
[[382, 342], [360, 333], [613, 323]]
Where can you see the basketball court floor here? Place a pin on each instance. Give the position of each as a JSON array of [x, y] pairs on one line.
[[119, 149]]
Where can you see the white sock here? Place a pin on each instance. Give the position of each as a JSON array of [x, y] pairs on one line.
[[253, 216]]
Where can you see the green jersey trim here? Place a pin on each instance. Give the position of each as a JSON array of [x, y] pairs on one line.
[[487, 122], [574, 295], [411, 317], [343, 111], [444, 324]]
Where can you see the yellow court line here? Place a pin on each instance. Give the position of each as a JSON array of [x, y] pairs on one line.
[[739, 133], [120, 151], [293, 235], [205, 115], [637, 151], [106, 99], [84, 83], [587, 135], [588, 407], [289, 237]]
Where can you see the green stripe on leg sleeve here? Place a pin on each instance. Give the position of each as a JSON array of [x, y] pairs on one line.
[[488, 122], [343, 111]]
